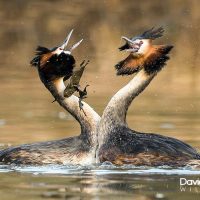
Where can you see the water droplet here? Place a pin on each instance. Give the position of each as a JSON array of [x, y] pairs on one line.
[[167, 126], [62, 115], [2, 122]]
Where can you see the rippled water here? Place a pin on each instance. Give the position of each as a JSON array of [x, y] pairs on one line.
[[170, 105], [96, 182]]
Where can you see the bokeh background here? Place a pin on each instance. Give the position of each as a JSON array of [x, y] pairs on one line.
[[170, 105]]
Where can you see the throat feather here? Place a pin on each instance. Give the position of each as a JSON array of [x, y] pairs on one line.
[[60, 86]]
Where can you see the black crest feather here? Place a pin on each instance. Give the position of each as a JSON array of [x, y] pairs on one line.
[[42, 50], [153, 33], [39, 51]]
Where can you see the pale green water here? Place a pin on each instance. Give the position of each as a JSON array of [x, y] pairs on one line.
[[170, 105]]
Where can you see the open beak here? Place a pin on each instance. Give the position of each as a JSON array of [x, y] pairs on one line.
[[130, 45], [76, 45], [65, 43], [127, 39], [66, 40]]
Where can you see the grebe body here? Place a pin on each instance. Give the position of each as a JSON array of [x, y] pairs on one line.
[[117, 142], [69, 151], [126, 146], [54, 66]]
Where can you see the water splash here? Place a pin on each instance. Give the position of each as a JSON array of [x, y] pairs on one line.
[[103, 169]]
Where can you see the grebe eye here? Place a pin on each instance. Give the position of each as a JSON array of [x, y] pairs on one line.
[[141, 42]]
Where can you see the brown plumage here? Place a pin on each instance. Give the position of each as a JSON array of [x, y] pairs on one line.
[[126, 146], [157, 55], [53, 65], [144, 159]]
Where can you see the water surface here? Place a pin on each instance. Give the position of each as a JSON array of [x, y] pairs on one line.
[[96, 182]]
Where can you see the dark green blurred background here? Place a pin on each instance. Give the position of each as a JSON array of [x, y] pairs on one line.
[[170, 105]]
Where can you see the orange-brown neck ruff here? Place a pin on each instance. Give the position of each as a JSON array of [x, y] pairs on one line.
[[44, 59], [52, 66], [154, 60]]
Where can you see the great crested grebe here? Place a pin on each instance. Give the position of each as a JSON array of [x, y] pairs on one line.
[[54, 66], [117, 142]]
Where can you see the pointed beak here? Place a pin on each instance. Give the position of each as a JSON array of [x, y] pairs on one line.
[[126, 45], [65, 43], [63, 46], [76, 45], [127, 39]]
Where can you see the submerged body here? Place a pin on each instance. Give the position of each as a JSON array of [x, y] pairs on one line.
[[119, 144], [74, 150], [126, 146], [54, 66]]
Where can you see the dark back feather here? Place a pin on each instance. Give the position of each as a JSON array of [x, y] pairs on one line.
[[42, 50]]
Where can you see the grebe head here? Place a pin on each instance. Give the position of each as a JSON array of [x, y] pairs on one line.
[[140, 45], [143, 54], [57, 62]]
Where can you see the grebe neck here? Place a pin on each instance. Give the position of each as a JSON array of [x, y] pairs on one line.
[[88, 120], [115, 112]]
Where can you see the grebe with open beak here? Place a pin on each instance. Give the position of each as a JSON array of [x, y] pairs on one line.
[[119, 144], [54, 66]]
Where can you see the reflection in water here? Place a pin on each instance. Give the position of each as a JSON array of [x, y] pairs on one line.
[[171, 105], [95, 182]]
